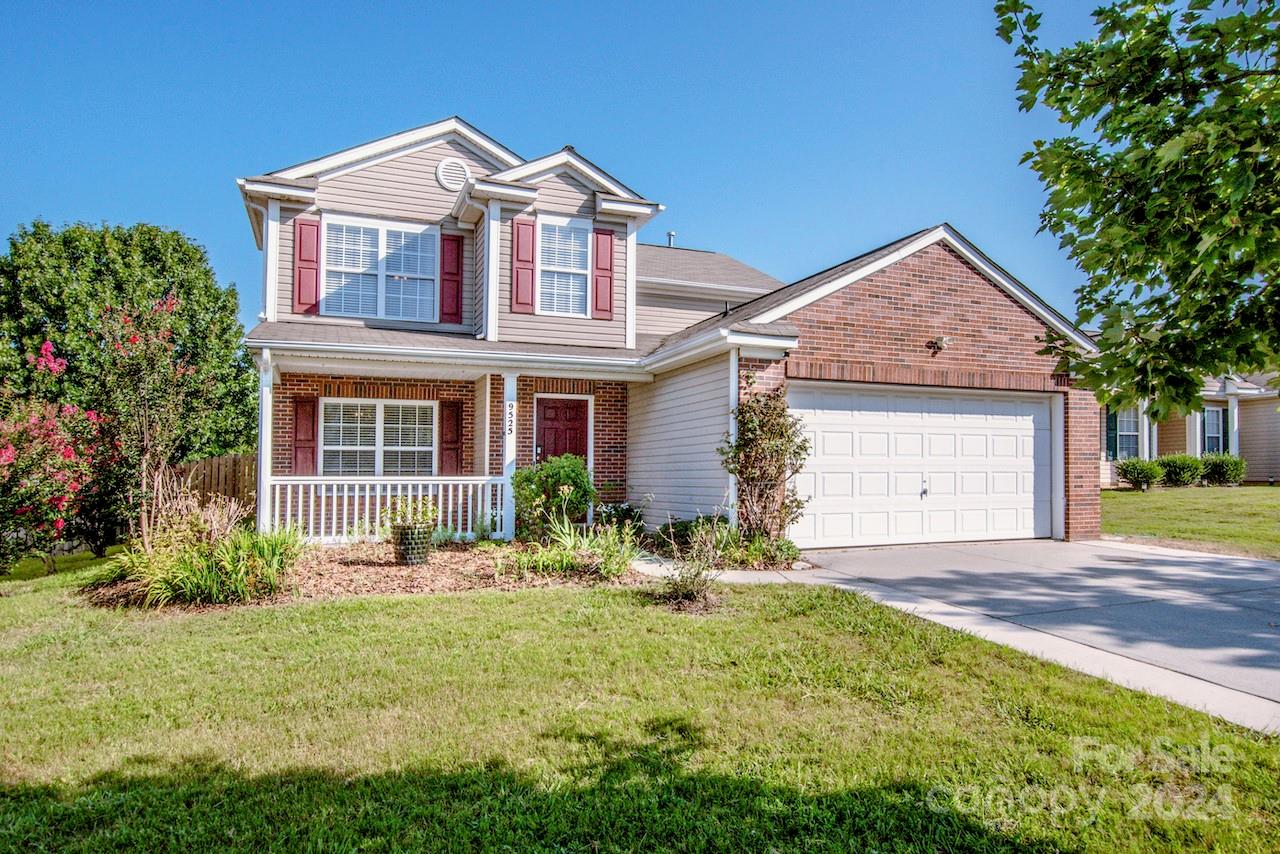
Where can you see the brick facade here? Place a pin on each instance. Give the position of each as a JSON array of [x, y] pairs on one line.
[[318, 385], [875, 330], [610, 406]]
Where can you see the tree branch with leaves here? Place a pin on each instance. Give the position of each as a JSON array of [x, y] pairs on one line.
[[1166, 193]]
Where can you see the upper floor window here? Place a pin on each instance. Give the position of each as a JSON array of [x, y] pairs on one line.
[[374, 269], [564, 264]]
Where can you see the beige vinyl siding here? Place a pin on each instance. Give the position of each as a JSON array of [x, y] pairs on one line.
[[1171, 437], [403, 187], [1260, 438], [284, 302], [479, 287], [565, 194], [674, 426], [661, 314], [563, 330]]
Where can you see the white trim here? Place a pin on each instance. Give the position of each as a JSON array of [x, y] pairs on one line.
[[591, 424], [1058, 466], [287, 191], [271, 261], [542, 168], [681, 288], [1233, 425], [1144, 431], [731, 497], [382, 226], [617, 207], [495, 151], [716, 341], [1193, 434], [1136, 432], [630, 286], [493, 255], [266, 407], [571, 222], [379, 404], [943, 234], [510, 433], [412, 149], [1220, 435], [482, 417]]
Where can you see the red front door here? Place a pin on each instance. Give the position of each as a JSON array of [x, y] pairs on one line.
[[562, 428]]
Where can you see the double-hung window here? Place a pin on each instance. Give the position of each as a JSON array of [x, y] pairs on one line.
[[1213, 423], [564, 265], [376, 269], [373, 438], [1127, 433]]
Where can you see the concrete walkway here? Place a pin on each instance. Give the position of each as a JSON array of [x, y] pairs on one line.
[[1200, 629]]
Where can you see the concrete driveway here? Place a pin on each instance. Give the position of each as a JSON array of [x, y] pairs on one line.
[[1201, 629]]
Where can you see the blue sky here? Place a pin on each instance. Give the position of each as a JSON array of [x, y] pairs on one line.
[[790, 140]]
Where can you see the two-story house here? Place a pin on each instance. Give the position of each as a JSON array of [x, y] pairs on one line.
[[440, 310]]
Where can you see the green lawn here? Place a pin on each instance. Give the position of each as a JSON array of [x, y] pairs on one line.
[[1241, 519], [586, 720]]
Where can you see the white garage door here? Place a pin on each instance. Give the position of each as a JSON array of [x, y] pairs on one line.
[[891, 466]]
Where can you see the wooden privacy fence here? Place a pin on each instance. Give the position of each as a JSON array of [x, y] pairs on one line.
[[235, 475]]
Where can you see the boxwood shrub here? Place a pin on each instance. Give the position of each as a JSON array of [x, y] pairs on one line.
[[1139, 473], [1180, 469], [1223, 469]]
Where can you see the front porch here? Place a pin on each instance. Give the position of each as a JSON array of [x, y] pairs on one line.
[[341, 442]]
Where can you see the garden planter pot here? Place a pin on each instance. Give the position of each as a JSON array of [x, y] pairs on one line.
[[412, 543]]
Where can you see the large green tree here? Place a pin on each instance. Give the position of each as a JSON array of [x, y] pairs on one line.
[[58, 285], [1166, 191], [68, 286]]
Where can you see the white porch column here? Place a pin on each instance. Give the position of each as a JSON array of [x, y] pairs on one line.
[[1144, 432], [508, 455], [1194, 423], [265, 409], [1233, 426]]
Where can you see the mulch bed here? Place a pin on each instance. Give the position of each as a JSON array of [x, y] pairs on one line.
[[370, 568]]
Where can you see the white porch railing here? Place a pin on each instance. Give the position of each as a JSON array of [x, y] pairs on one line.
[[339, 509]]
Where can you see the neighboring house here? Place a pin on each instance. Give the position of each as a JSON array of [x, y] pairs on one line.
[[1239, 415], [440, 310]]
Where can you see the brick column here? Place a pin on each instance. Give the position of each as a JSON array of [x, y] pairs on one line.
[[1082, 450]]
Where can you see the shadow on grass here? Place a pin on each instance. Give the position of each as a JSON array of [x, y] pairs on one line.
[[617, 795]]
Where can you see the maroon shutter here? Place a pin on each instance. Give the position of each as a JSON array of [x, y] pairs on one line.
[[304, 435], [450, 437], [306, 265], [451, 278], [522, 237], [602, 275]]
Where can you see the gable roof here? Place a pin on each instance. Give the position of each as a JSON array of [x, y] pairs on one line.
[[776, 305], [401, 143], [673, 265], [567, 158]]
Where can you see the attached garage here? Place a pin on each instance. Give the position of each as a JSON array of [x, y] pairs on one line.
[[891, 465]]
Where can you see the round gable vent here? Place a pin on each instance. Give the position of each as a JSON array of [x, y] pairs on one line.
[[452, 173]]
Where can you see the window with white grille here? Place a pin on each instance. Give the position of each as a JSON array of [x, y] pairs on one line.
[[1213, 431], [376, 269], [1127, 433], [349, 438], [408, 440], [360, 438], [564, 258]]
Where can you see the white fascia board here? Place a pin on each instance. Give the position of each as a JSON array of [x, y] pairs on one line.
[[495, 151], [491, 191], [617, 207], [970, 253], [498, 361], [552, 164], [685, 288], [277, 191], [718, 341]]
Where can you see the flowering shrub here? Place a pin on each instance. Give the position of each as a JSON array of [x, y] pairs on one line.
[[46, 457]]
